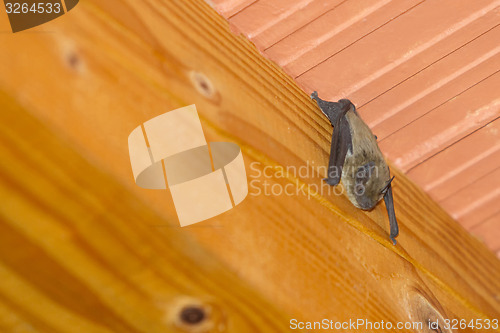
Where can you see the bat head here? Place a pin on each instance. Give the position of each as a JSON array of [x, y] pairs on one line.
[[366, 188], [369, 190]]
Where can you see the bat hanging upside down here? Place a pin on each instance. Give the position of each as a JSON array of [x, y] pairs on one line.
[[356, 158]]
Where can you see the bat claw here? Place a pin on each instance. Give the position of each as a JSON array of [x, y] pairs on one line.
[[393, 241], [314, 95]]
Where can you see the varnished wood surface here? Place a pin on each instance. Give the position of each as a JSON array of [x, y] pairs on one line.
[[85, 250], [80, 253]]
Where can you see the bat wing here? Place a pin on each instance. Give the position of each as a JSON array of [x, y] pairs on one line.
[[341, 137], [389, 205], [331, 110], [341, 143]]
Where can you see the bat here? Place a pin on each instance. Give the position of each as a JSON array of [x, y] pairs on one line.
[[356, 159]]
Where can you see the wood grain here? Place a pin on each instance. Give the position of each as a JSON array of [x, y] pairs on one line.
[[85, 250], [79, 253], [440, 171]]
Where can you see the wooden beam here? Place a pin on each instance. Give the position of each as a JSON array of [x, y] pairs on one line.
[[84, 249]]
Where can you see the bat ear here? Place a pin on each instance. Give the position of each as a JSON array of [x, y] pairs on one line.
[[389, 205]]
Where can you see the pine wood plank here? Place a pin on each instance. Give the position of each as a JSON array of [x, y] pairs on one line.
[[80, 253], [469, 159], [432, 86], [489, 231]]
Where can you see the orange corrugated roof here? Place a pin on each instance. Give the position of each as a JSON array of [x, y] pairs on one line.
[[425, 76]]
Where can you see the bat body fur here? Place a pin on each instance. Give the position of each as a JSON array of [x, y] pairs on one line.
[[356, 159], [365, 151]]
